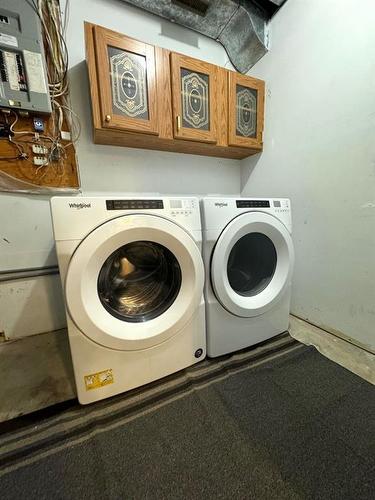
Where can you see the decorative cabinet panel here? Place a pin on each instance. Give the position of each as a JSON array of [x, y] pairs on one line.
[[194, 90], [148, 97], [127, 82], [246, 110]]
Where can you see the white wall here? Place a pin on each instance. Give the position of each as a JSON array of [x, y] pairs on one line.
[[31, 305], [26, 239], [320, 152], [25, 220]]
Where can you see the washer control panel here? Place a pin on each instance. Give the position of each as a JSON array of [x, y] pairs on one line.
[[182, 207], [281, 206], [134, 204]]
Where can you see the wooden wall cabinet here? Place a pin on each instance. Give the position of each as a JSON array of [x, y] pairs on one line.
[[147, 97], [194, 91], [127, 82], [246, 110]]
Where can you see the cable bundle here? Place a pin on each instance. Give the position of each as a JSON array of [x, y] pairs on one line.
[[57, 66], [56, 53]]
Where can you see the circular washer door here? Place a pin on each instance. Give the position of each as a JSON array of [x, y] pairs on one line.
[[134, 282], [252, 263]]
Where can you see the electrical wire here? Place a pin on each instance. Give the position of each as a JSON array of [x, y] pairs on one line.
[[54, 26], [22, 155]]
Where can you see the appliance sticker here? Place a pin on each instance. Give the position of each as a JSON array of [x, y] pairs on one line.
[[99, 379], [12, 69], [35, 72], [9, 40]]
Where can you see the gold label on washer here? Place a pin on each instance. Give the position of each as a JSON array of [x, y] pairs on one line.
[[99, 379]]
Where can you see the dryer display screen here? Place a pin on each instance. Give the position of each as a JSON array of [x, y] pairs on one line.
[[252, 203], [134, 204]]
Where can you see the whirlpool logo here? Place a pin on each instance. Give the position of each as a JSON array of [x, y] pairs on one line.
[[79, 206], [221, 204]]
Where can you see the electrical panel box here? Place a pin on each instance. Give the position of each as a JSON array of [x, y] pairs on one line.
[[23, 76]]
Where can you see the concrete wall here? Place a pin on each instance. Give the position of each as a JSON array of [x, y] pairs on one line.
[[26, 239], [320, 152]]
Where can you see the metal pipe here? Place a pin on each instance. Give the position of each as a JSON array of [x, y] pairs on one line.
[[18, 274]]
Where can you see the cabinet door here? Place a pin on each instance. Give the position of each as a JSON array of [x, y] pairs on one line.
[[194, 91], [246, 111], [127, 84]]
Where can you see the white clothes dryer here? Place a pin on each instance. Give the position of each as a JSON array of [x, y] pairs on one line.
[[248, 255], [133, 277]]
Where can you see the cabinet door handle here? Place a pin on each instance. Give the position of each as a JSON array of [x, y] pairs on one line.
[[178, 118]]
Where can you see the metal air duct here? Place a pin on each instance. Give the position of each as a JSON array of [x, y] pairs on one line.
[[241, 26]]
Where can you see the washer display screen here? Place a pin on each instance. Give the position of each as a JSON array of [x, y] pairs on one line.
[[139, 281]]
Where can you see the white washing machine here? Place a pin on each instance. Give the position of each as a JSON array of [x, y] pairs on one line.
[[133, 277], [248, 255]]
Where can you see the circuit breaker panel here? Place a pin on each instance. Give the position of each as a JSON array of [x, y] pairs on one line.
[[23, 79]]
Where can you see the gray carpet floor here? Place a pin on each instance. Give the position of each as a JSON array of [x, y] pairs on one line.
[[277, 422]]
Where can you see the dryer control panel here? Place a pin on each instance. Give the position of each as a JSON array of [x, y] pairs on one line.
[[217, 212], [252, 203]]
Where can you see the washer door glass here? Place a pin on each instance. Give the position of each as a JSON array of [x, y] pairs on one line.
[[251, 264], [139, 281]]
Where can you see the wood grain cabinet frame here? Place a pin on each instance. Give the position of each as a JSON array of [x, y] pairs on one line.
[[245, 111], [123, 60], [194, 96], [156, 120]]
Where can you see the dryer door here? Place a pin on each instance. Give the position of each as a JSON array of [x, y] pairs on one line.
[[252, 263], [134, 282]]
